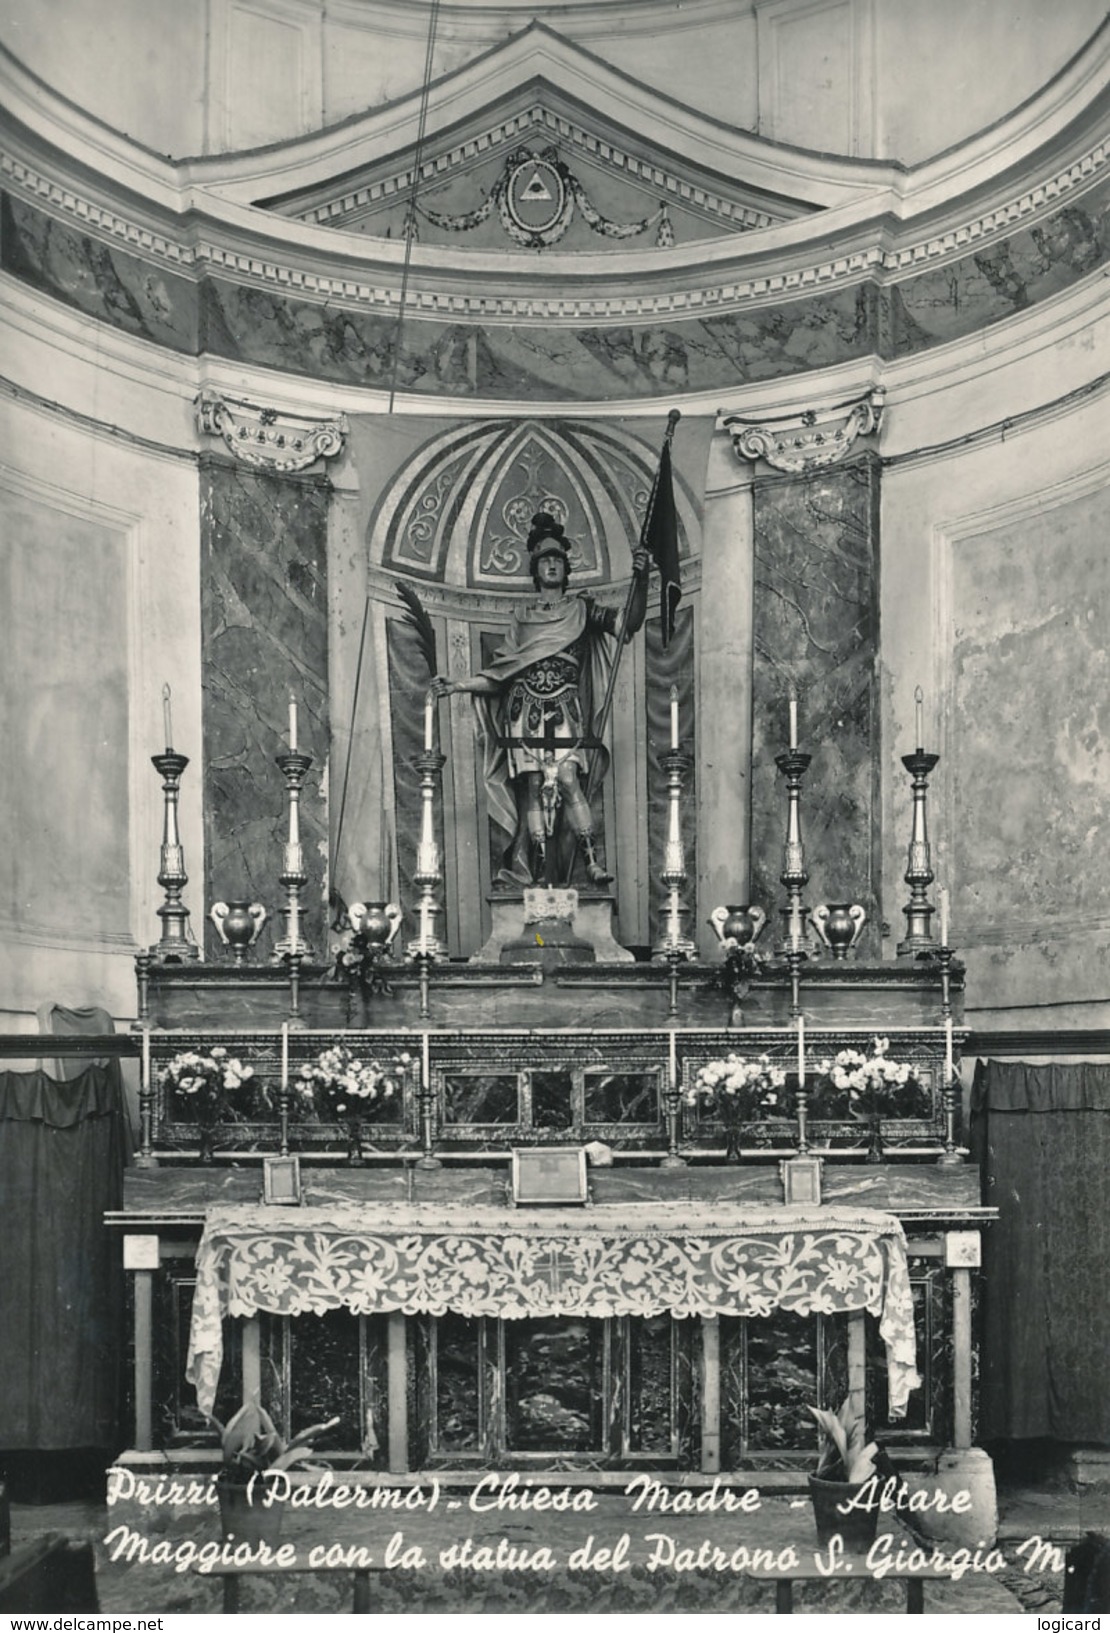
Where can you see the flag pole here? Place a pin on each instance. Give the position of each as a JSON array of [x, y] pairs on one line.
[[607, 706]]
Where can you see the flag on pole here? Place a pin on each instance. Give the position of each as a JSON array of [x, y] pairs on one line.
[[660, 539]]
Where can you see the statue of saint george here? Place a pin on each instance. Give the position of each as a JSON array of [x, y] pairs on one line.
[[537, 701]]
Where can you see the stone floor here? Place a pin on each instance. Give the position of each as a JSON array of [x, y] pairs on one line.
[[145, 1587]]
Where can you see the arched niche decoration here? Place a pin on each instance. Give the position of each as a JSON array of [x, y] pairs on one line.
[[460, 510], [452, 520]]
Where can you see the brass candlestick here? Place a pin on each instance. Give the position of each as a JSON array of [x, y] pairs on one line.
[[427, 945], [919, 872], [674, 945], [795, 943], [294, 768], [176, 945]]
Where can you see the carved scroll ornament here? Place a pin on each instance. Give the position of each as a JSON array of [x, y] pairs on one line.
[[809, 439], [270, 438]]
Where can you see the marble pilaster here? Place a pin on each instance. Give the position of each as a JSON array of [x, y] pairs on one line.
[[263, 636], [816, 629]]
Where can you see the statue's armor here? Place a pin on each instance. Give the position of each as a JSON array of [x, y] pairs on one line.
[[543, 701]]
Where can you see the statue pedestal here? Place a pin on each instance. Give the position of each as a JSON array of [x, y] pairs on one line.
[[550, 927]]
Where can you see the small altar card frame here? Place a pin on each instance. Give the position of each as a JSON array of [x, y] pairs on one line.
[[281, 1181], [550, 1176], [801, 1180]]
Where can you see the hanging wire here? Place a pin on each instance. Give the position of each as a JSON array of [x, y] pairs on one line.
[[410, 215]]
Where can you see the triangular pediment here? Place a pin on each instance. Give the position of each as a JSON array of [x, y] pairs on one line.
[[539, 143]]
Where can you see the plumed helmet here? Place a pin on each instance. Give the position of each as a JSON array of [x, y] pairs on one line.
[[546, 538]]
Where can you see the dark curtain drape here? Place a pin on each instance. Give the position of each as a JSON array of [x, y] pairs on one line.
[[62, 1148], [1042, 1134]]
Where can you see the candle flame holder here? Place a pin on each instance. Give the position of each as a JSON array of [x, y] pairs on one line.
[[427, 946]]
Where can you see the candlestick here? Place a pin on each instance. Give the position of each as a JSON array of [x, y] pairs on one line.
[[919, 709], [674, 944], [801, 1051], [144, 1157], [166, 721], [793, 720], [943, 895], [292, 724], [948, 1050], [175, 946], [294, 876], [674, 716], [146, 1057], [426, 1100], [429, 721], [919, 872], [285, 1054]]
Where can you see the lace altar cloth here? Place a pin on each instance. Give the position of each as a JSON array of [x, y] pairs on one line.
[[604, 1261]]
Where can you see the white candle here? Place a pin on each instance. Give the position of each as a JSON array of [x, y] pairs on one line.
[[948, 1050], [429, 721], [919, 712], [801, 1051], [166, 717], [292, 724], [944, 915], [674, 716], [793, 721], [285, 1054]]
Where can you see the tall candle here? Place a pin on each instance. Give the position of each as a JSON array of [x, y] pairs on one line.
[[166, 717], [793, 720], [919, 720], [285, 1054], [801, 1051], [674, 716], [292, 724], [944, 915], [429, 721]]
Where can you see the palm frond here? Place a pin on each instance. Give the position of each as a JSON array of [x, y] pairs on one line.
[[418, 620]]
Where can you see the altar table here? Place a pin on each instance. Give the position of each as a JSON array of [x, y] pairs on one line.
[[601, 1261]]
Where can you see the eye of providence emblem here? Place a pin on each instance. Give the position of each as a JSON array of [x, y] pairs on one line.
[[536, 199]]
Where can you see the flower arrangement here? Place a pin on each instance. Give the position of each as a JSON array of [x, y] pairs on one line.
[[205, 1080], [740, 1091], [250, 1444], [867, 1085], [347, 1086]]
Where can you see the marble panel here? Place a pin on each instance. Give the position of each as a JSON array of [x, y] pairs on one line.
[[64, 723], [816, 628], [97, 278], [263, 636], [533, 363], [1005, 276], [1029, 741]]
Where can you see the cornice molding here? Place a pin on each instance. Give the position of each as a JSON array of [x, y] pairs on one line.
[[258, 256], [272, 439], [540, 123], [184, 217]]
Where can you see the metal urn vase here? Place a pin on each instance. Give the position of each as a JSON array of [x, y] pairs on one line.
[[238, 925], [839, 926]]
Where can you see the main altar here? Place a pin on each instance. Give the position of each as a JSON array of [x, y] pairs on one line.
[[520, 1210]]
